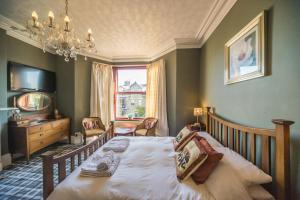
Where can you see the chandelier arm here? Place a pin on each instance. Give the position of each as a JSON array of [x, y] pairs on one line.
[[66, 7]]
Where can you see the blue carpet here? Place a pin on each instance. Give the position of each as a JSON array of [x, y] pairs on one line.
[[24, 181]]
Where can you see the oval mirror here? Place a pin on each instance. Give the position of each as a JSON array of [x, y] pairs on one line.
[[34, 101]]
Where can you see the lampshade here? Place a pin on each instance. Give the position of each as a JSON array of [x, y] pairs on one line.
[[198, 111]]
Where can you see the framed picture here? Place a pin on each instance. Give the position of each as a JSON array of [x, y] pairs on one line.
[[245, 52]]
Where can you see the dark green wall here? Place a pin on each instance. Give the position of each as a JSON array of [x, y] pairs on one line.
[[82, 90], [187, 85], [255, 102], [15, 50]]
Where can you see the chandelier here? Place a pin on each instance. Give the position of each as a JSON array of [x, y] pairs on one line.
[[60, 38]]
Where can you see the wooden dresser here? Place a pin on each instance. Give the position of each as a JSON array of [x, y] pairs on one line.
[[27, 139]]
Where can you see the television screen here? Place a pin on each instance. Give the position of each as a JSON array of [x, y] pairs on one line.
[[25, 78]]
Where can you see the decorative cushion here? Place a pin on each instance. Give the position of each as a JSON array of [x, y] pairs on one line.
[[93, 124], [247, 171], [203, 172], [141, 132], [94, 132], [183, 137], [189, 159], [257, 192]]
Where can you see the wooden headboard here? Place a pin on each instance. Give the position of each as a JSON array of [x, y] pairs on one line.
[[237, 137]]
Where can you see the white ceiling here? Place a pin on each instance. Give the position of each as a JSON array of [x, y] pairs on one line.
[[128, 28]]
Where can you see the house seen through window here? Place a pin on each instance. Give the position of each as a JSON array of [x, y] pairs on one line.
[[130, 92]]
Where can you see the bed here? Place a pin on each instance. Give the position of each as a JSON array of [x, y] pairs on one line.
[[147, 169]]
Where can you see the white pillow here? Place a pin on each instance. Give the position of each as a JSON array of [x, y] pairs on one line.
[[257, 192], [224, 184], [211, 140], [247, 171]]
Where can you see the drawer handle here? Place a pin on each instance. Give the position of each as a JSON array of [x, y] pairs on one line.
[[41, 134]]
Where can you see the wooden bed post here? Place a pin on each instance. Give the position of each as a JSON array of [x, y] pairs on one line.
[[282, 170], [207, 120], [48, 185]]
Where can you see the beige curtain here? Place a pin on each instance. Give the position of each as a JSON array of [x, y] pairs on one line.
[[156, 105], [102, 91]]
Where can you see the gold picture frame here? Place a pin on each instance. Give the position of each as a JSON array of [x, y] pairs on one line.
[[245, 52]]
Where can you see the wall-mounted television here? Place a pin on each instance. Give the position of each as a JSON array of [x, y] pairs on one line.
[[26, 78]]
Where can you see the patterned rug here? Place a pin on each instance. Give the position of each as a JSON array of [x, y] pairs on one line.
[[25, 181]]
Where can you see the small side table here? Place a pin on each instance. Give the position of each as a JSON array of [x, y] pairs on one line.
[[120, 131]]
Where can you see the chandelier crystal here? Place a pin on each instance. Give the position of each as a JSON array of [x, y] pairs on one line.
[[60, 38]]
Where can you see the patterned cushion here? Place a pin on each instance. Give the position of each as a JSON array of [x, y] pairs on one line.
[[141, 131], [183, 137], [94, 132], [149, 123], [94, 124], [189, 159], [203, 172]]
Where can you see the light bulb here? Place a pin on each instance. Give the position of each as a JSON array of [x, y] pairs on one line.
[[67, 19], [51, 15], [90, 31], [34, 15]]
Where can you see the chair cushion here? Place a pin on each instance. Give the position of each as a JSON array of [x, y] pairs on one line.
[[94, 132], [149, 123], [141, 132], [93, 124]]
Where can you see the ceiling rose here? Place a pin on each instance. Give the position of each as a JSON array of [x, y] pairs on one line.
[[60, 38]]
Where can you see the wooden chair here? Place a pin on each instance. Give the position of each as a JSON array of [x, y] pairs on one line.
[[147, 127], [92, 126]]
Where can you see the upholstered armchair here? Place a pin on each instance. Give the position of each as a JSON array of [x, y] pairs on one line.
[[92, 126], [147, 127]]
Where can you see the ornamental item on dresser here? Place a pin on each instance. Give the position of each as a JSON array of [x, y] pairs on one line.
[[60, 38]]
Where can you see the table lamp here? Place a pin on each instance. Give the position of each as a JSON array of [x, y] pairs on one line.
[[197, 113]]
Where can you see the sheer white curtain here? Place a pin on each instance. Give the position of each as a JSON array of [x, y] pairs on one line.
[[156, 105], [102, 91]]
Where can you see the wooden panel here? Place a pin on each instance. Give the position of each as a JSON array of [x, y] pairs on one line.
[[245, 145], [265, 146], [217, 131], [253, 148], [225, 143], [237, 141], [231, 138], [61, 170], [72, 163]]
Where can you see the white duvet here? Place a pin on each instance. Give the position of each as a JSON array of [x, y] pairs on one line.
[[147, 170]]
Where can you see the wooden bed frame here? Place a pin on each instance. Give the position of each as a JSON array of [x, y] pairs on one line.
[[242, 139]]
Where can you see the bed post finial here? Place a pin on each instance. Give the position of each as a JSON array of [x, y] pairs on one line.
[[282, 170], [207, 119]]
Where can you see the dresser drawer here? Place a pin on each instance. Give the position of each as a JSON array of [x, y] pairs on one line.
[[36, 136], [37, 145], [34, 129]]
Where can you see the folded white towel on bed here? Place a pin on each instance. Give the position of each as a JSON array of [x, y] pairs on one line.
[[102, 162], [91, 170], [117, 145]]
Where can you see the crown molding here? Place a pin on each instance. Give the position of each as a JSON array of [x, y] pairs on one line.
[[216, 14]]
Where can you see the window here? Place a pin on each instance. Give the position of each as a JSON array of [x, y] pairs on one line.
[[130, 92]]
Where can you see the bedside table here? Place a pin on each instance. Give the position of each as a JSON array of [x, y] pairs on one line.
[[199, 127]]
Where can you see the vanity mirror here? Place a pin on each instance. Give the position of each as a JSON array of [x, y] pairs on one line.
[[34, 101]]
